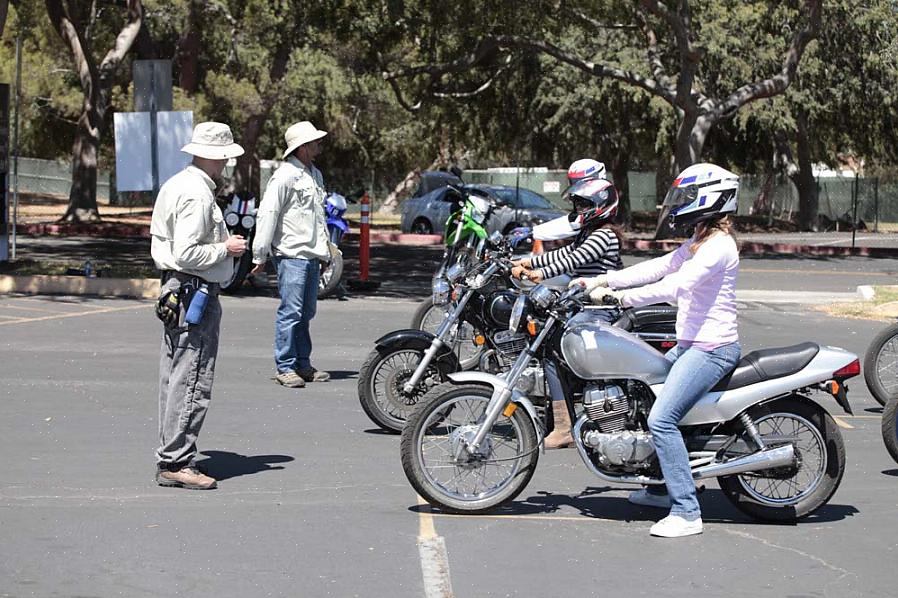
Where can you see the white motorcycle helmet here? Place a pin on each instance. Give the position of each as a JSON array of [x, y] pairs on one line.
[[587, 168], [701, 192]]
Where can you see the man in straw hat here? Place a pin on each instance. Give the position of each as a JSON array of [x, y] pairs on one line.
[[191, 245], [291, 227]]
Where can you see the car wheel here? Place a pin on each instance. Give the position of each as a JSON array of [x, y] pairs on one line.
[[422, 227]]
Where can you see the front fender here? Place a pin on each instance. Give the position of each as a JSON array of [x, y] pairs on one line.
[[498, 384], [419, 340]]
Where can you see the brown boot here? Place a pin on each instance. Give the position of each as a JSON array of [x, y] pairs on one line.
[[186, 477], [561, 435]]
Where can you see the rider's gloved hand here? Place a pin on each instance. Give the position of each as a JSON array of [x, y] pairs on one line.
[[606, 296], [589, 283]]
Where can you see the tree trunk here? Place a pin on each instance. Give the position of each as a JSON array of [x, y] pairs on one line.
[[189, 49], [83, 194], [804, 178], [246, 175]]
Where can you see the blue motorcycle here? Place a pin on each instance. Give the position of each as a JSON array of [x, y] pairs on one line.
[[330, 280]]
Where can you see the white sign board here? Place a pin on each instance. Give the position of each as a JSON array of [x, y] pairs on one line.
[[133, 147], [173, 131], [133, 151], [551, 186]]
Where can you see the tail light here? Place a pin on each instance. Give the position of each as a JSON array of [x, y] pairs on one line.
[[852, 369]]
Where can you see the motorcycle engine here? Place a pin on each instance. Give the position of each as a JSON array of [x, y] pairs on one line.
[[609, 408]]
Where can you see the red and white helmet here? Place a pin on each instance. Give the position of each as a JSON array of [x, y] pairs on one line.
[[587, 168], [594, 200]]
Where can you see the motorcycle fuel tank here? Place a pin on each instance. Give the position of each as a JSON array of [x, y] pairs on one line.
[[595, 350]]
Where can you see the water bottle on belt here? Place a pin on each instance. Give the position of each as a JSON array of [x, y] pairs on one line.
[[198, 305]]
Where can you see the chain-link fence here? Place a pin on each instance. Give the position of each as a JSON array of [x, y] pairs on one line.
[[49, 177]]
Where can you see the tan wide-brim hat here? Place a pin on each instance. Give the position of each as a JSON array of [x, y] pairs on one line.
[[299, 134], [214, 141]]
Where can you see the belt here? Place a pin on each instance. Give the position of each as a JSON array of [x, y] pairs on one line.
[[167, 275]]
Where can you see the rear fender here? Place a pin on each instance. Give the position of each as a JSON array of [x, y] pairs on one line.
[[498, 385], [419, 340]]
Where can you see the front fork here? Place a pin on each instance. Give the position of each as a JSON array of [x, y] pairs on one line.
[[502, 393], [443, 332]]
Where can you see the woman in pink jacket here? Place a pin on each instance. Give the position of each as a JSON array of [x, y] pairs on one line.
[[700, 277]]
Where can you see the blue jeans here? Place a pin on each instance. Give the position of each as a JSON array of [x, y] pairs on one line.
[[693, 374], [298, 286]]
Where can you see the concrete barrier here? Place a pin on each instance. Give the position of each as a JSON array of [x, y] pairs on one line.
[[140, 288]]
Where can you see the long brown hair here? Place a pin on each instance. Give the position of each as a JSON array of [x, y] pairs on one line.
[[705, 230]]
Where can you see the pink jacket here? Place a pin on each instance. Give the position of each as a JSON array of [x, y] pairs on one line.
[[703, 286]]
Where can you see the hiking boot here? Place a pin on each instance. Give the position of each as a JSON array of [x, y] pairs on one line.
[[186, 477], [560, 437], [290, 379], [313, 375]]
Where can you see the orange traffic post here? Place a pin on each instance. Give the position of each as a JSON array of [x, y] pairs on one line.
[[364, 236]]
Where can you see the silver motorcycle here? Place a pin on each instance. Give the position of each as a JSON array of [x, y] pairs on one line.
[[474, 442]]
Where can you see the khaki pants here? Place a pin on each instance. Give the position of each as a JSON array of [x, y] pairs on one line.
[[186, 369]]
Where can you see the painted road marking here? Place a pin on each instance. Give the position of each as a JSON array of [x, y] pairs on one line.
[[818, 272], [28, 308], [59, 316], [841, 423], [433, 555]]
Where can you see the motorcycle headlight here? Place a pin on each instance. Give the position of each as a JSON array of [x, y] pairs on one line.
[[441, 290], [519, 310], [542, 295], [232, 218], [496, 239], [248, 221], [455, 273]]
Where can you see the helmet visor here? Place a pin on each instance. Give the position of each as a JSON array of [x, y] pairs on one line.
[[680, 196]]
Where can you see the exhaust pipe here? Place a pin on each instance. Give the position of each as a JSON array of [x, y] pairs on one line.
[[782, 456]]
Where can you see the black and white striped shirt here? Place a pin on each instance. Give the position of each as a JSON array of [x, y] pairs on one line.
[[590, 254]]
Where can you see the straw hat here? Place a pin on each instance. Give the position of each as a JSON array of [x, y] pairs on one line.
[[213, 141], [300, 134]]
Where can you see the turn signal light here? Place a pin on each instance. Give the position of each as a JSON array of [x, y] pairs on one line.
[[531, 328], [832, 387], [454, 294], [479, 340], [510, 409], [852, 369]]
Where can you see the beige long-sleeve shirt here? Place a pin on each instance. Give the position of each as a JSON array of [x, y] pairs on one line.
[[188, 229], [291, 221]]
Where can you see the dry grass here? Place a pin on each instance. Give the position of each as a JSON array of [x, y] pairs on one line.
[[883, 307]]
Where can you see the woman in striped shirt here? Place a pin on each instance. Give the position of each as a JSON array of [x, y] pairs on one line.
[[595, 250]]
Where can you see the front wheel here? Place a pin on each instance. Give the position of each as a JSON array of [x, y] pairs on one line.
[[890, 428], [790, 493], [441, 468], [881, 365], [331, 273], [428, 317], [381, 381]]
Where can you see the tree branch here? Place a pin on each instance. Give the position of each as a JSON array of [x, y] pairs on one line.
[[654, 54], [779, 82], [124, 39], [63, 23]]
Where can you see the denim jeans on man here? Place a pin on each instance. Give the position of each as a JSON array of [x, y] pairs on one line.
[[298, 286], [693, 374]]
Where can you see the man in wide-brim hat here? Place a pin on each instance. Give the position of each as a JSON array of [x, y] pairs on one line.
[[291, 228], [192, 248]]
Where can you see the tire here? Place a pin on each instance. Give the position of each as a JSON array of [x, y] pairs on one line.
[[429, 421], [428, 318], [890, 428], [421, 226], [883, 388], [329, 280], [822, 454], [380, 382], [242, 265]]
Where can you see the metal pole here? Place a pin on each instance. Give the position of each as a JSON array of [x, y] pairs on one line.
[[854, 217], [876, 205], [15, 145]]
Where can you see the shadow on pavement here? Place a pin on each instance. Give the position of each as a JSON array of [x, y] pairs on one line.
[[343, 374], [223, 465], [590, 503], [891, 472]]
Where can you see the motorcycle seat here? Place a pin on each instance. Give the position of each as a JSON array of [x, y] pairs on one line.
[[646, 315], [767, 364]]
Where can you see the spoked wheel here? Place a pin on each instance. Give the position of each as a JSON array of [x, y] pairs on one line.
[[429, 316], [381, 381], [881, 365], [789, 493], [331, 274], [890, 428], [445, 472]]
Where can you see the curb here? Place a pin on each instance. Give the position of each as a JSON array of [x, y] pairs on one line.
[[755, 248], [139, 288], [99, 229], [866, 292]]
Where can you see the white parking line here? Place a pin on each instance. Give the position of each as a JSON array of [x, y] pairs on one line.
[[842, 423], [433, 555], [73, 315]]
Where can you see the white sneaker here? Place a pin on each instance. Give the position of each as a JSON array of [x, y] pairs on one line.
[[645, 499], [674, 526]]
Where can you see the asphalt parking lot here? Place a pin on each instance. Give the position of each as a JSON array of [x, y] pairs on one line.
[[312, 498]]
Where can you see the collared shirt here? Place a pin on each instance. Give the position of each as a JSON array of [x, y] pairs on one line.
[[188, 229], [291, 221]]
